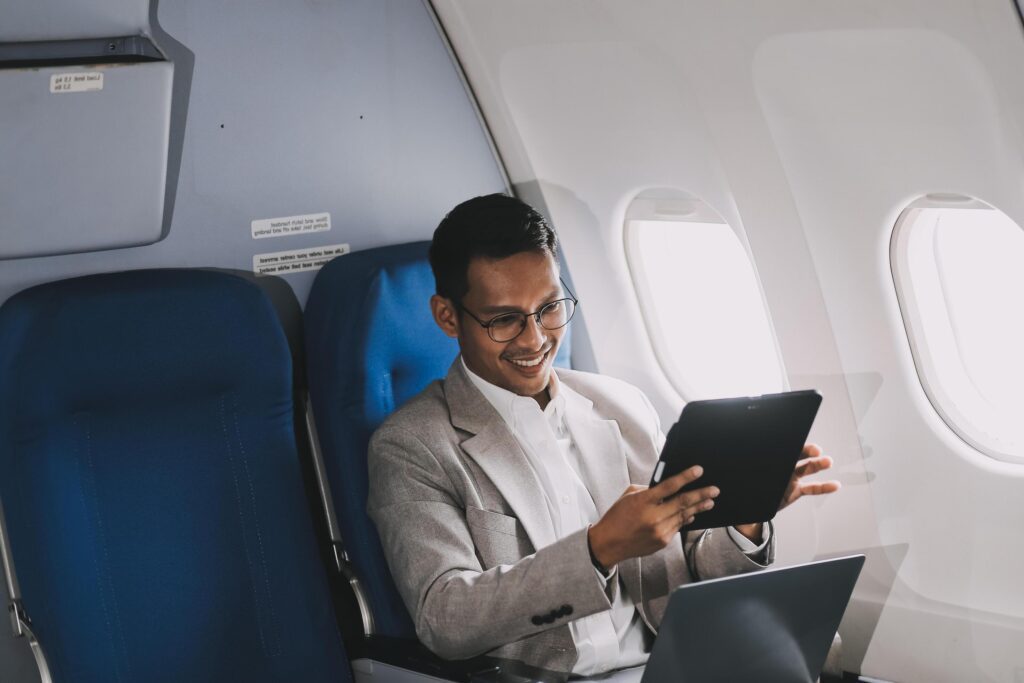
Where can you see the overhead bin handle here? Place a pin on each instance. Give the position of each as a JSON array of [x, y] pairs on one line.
[[120, 50]]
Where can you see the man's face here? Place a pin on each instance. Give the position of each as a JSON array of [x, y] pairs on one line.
[[520, 283]]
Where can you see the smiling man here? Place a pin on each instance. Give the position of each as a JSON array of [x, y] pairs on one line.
[[509, 496]]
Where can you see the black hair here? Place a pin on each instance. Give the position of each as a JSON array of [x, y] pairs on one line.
[[494, 226]]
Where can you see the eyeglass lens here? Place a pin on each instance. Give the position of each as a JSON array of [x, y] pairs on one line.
[[553, 316]]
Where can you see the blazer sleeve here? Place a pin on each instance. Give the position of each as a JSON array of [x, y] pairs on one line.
[[459, 609]]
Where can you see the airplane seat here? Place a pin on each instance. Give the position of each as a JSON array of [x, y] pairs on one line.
[[154, 505], [371, 344]]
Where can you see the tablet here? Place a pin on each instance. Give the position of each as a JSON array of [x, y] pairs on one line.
[[748, 448]]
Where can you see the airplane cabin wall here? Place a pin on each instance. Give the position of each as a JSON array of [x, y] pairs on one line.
[[809, 127], [353, 108]]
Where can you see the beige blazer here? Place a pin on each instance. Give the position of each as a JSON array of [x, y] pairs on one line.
[[458, 510]]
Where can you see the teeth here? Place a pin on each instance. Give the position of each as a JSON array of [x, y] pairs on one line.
[[530, 363]]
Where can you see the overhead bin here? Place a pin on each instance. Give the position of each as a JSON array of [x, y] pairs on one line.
[[84, 148]]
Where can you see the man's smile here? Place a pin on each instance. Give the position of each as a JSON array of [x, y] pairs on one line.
[[529, 362]]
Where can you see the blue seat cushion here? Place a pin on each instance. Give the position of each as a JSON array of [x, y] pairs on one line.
[[371, 344], [149, 475]]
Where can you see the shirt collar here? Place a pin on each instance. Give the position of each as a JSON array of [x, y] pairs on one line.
[[507, 402]]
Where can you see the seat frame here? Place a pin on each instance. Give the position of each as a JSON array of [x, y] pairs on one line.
[[21, 624]]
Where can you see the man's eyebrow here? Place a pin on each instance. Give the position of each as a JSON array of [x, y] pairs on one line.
[[497, 310]]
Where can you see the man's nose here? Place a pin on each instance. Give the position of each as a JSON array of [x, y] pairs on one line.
[[533, 336]]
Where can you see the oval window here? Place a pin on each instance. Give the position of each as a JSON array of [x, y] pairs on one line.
[[958, 266], [700, 299]]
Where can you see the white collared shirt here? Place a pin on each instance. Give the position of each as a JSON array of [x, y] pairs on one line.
[[607, 640]]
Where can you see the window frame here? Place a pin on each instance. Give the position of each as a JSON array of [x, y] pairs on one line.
[[669, 205], [926, 364]]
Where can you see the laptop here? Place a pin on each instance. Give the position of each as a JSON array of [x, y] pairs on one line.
[[769, 626]]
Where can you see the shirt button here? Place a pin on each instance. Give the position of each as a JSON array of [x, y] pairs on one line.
[[565, 500]]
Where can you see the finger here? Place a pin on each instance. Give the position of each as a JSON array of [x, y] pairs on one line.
[[812, 450], [673, 524], [672, 485], [699, 506], [819, 488], [695, 498], [801, 489], [809, 466], [690, 502], [817, 458]]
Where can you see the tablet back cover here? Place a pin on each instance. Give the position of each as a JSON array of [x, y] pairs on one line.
[[747, 446]]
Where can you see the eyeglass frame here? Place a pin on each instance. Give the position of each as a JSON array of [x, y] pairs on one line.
[[535, 315]]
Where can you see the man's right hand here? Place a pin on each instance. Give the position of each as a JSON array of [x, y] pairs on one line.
[[644, 520]]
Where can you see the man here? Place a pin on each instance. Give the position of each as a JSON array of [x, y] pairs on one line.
[[509, 497]]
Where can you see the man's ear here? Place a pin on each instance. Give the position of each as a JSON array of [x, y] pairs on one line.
[[446, 315]]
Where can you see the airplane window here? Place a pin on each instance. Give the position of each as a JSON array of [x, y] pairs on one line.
[[957, 267], [701, 300]]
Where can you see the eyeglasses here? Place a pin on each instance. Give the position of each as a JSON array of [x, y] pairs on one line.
[[507, 326]]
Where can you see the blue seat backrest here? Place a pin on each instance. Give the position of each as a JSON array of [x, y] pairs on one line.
[[371, 345], [152, 489]]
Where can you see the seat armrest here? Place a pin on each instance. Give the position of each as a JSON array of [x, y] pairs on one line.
[[411, 655], [406, 653], [514, 671]]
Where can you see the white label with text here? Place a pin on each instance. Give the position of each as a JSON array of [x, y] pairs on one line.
[[290, 225], [296, 260], [82, 81]]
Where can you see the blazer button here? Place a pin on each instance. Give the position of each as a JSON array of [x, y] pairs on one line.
[[537, 620], [565, 611]]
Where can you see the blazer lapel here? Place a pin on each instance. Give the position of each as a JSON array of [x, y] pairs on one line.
[[602, 459], [494, 448], [602, 465]]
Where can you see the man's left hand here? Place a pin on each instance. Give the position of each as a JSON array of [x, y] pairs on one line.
[[812, 463]]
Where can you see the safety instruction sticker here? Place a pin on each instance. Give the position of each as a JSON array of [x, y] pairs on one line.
[[290, 225], [81, 81], [296, 260]]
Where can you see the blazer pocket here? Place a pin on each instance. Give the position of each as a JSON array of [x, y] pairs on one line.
[[494, 521], [497, 538]]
